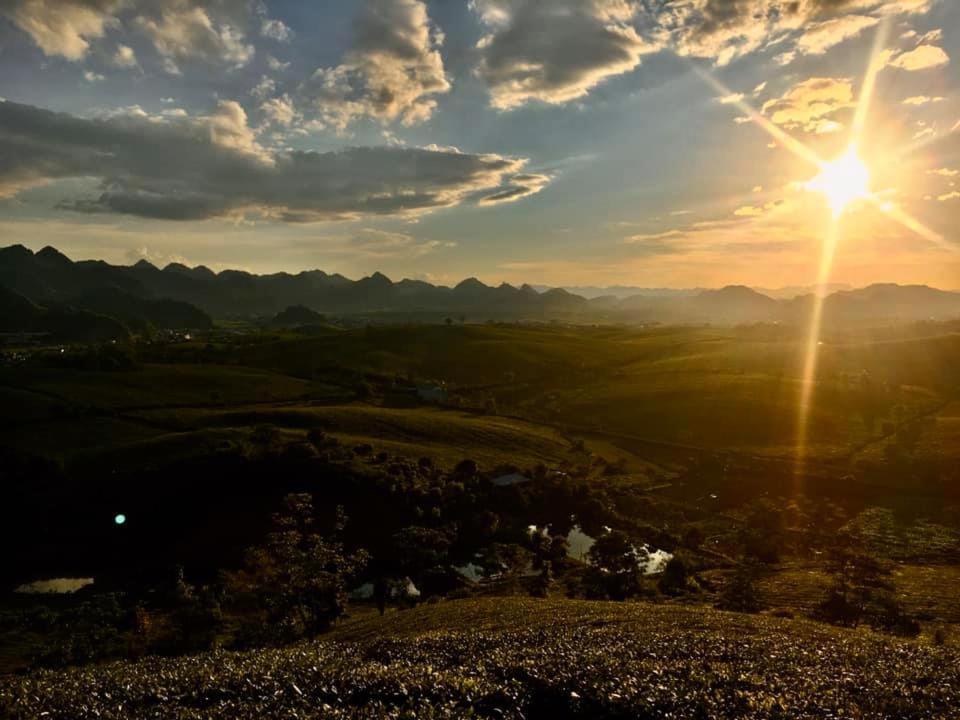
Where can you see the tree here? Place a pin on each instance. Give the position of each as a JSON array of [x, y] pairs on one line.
[[541, 585], [740, 593], [615, 571], [297, 578], [762, 534], [674, 578], [419, 549], [862, 592]]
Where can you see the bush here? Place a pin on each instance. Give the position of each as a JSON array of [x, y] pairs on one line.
[[94, 630]]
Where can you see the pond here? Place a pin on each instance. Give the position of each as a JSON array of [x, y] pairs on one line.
[[651, 560], [54, 586]]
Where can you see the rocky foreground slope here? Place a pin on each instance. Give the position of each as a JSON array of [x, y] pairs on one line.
[[520, 658]]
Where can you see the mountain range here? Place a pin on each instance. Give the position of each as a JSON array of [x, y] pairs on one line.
[[142, 296]]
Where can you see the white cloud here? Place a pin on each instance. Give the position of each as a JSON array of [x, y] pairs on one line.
[[279, 111], [92, 77], [276, 65], [819, 38], [265, 88], [181, 30], [392, 72], [922, 100], [731, 99], [925, 57], [276, 30], [809, 105], [125, 57], [63, 28]]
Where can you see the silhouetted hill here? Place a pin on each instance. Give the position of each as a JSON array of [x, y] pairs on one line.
[[141, 313], [50, 278], [297, 316], [20, 315]]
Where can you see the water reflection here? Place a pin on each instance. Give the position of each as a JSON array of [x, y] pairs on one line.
[[54, 586]]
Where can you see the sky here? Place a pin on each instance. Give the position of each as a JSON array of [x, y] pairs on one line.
[[655, 143]]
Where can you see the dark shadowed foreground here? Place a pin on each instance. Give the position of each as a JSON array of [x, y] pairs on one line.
[[521, 658]]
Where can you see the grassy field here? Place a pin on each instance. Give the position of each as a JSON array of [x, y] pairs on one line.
[[157, 386], [715, 389], [522, 658], [447, 436], [731, 389]]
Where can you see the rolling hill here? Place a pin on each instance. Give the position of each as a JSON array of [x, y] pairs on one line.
[[521, 658]]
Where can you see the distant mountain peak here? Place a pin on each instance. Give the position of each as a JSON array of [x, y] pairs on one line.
[[51, 254], [471, 283], [378, 278]]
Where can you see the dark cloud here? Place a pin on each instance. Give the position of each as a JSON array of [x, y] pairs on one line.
[[556, 51], [183, 167], [393, 70]]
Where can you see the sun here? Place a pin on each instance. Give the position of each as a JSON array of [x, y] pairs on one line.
[[843, 181]]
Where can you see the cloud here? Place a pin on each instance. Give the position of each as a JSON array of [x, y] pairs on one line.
[[393, 71], [725, 30], [944, 172], [62, 28], [731, 99], [748, 211], [265, 88], [820, 37], [276, 65], [198, 167], [184, 30], [924, 57], [373, 243], [280, 111], [125, 57], [554, 52], [518, 187], [949, 196], [276, 30], [922, 100], [809, 104], [92, 77]]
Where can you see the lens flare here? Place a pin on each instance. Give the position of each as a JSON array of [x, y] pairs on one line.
[[843, 181]]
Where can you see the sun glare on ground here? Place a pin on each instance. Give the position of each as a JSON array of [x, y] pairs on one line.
[[843, 181]]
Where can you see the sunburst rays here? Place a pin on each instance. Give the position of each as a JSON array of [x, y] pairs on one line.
[[842, 181]]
